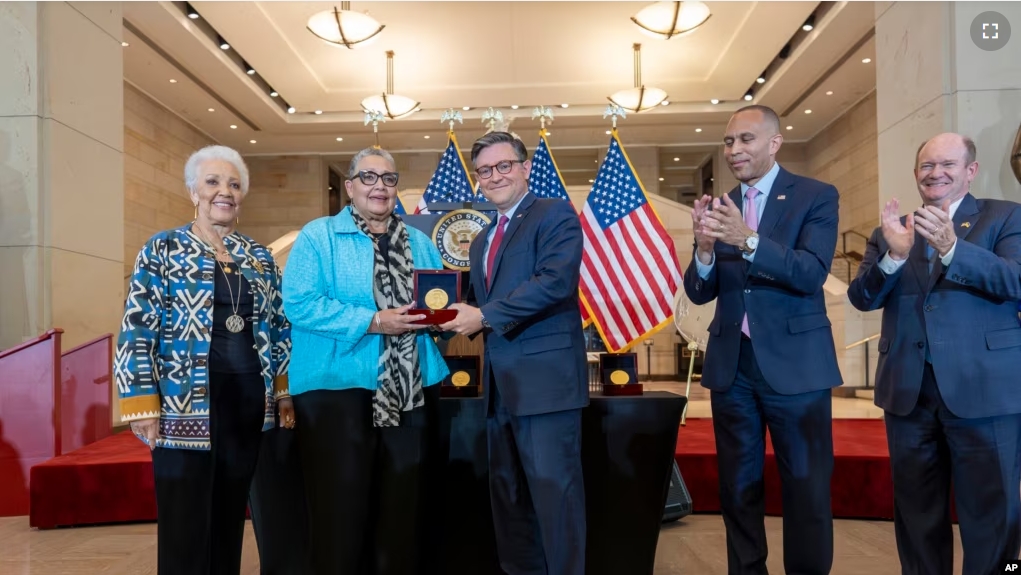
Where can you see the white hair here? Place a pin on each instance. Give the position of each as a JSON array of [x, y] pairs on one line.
[[191, 169], [352, 170]]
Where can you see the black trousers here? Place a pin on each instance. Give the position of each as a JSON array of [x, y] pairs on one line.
[[277, 502], [366, 487], [932, 449], [801, 429], [201, 496]]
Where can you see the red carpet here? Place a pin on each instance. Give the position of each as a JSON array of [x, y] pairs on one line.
[[862, 485], [111, 480]]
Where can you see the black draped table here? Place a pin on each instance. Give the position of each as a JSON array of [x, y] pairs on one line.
[[628, 448]]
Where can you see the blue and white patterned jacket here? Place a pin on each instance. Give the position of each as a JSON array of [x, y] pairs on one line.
[[163, 347]]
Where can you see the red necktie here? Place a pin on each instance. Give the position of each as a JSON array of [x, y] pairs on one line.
[[493, 247]]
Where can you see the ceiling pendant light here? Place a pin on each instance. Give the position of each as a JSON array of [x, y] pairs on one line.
[[639, 98], [665, 20], [389, 104], [344, 27]]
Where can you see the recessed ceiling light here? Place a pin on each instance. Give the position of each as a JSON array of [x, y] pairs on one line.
[[677, 159], [340, 139], [564, 105], [250, 71], [212, 109], [661, 179], [591, 181], [426, 136], [808, 111], [608, 132], [233, 127], [191, 12], [790, 127], [173, 81], [514, 107], [761, 80], [291, 110], [665, 103], [866, 60], [318, 112], [748, 97], [714, 101], [224, 45], [251, 141], [698, 129], [807, 27], [829, 93], [273, 94], [549, 133], [125, 44], [466, 108]]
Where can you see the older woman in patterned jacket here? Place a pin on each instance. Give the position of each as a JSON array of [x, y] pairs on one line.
[[201, 367]]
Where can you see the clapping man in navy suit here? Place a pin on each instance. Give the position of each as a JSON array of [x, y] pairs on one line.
[[763, 253], [947, 278], [525, 269]]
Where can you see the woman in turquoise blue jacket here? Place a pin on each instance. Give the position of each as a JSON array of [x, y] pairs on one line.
[[363, 377]]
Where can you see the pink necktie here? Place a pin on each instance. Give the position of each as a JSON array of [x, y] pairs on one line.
[[751, 219], [493, 247]]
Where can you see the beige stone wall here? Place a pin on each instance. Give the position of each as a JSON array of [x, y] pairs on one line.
[[846, 155], [157, 144], [286, 192]]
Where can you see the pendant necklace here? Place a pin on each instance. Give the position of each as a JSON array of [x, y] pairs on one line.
[[235, 323]]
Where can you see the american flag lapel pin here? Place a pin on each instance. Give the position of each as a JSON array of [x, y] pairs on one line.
[[781, 197], [965, 224]]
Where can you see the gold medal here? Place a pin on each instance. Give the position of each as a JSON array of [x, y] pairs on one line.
[[619, 377], [460, 379], [436, 298]]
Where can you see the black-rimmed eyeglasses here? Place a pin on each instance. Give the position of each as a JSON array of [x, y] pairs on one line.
[[504, 167], [370, 178]]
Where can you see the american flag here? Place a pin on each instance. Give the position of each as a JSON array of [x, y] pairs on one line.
[[399, 207], [629, 269], [545, 181], [450, 181]]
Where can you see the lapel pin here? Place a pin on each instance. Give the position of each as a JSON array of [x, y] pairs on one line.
[[966, 224], [781, 197]]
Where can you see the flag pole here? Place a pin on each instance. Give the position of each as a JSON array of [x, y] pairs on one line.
[[375, 117], [614, 110], [450, 116], [544, 113]]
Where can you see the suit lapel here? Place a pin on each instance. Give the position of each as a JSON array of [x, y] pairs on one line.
[[967, 213], [781, 193], [508, 234], [966, 216], [477, 253]]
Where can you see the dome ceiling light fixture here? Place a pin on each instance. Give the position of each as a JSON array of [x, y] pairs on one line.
[[389, 104], [665, 20], [344, 27], [639, 98]]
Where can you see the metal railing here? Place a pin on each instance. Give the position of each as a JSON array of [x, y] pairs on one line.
[[865, 343]]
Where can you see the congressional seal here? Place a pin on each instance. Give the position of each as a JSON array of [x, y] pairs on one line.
[[453, 236]]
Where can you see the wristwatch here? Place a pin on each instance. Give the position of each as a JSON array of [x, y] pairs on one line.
[[750, 243], [485, 323]]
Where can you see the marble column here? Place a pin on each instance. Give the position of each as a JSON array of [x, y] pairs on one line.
[[931, 77], [61, 170]]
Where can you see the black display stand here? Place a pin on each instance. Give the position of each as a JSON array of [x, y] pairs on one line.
[[628, 446]]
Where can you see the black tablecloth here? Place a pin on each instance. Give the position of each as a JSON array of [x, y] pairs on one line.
[[627, 453]]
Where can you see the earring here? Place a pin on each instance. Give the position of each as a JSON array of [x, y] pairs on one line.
[[237, 221], [196, 211]]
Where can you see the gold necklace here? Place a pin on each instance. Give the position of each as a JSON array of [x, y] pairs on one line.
[[235, 323], [212, 247]]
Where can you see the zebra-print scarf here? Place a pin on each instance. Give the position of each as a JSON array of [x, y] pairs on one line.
[[399, 383]]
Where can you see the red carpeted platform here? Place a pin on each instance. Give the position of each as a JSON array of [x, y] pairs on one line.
[[862, 485], [111, 480], [107, 481]]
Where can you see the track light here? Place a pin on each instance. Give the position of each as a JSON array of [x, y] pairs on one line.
[[223, 43], [191, 12], [809, 24]]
